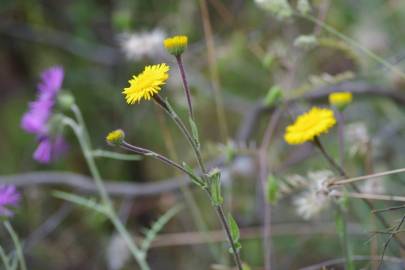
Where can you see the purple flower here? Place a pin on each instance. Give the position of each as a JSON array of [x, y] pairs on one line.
[[49, 149], [9, 196], [35, 120], [51, 80]]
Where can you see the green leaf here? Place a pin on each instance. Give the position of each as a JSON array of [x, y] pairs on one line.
[[274, 96], [230, 151], [151, 234], [194, 131], [89, 203], [196, 180], [215, 187], [272, 189], [98, 153], [233, 226]]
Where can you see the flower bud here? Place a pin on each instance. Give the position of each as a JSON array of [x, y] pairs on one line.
[[340, 99], [115, 137], [65, 100], [176, 45]]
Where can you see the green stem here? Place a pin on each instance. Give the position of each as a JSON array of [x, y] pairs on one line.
[[341, 227], [84, 140], [173, 115], [353, 43], [17, 245], [341, 135], [81, 136], [4, 258], [137, 253], [185, 85]]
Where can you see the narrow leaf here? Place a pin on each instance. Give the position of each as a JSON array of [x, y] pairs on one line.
[[151, 234], [89, 203], [113, 155], [233, 226], [194, 131], [274, 95], [196, 180], [215, 187]]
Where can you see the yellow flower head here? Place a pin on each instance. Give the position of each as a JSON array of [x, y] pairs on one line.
[[176, 45], [115, 137], [309, 125], [146, 84], [340, 99]]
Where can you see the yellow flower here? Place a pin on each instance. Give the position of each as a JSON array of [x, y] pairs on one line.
[[309, 125], [146, 84], [115, 137], [340, 99], [176, 45]]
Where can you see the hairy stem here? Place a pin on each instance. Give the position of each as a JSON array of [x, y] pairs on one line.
[[194, 144], [185, 85]]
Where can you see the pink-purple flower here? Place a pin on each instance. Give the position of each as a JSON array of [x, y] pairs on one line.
[[9, 197], [36, 119], [49, 148]]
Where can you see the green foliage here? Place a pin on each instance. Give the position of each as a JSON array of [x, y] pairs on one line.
[[194, 132], [272, 187], [234, 228], [157, 226], [99, 153], [235, 234], [82, 201], [274, 96], [214, 178], [196, 180]]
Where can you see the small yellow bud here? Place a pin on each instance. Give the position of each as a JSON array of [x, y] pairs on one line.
[[176, 45], [340, 99], [115, 137]]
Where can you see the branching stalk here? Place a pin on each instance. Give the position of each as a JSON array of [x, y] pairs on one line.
[[195, 146], [79, 129]]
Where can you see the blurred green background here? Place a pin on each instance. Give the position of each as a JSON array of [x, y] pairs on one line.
[[253, 51]]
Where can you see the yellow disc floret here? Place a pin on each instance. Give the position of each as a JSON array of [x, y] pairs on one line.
[[309, 125], [115, 137], [176, 45], [340, 99], [146, 84]]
